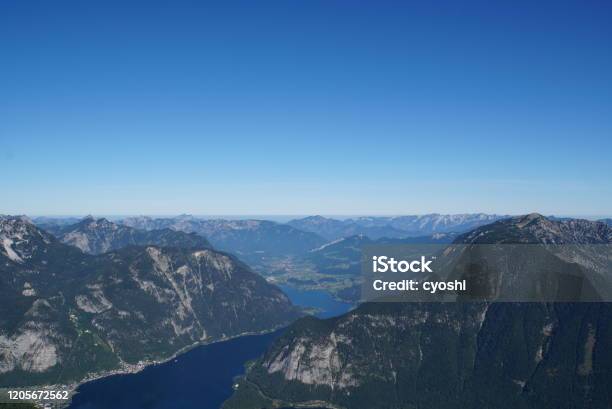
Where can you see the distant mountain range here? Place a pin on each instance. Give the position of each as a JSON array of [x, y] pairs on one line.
[[96, 236], [257, 242], [249, 239], [450, 355], [66, 314], [283, 253], [266, 246], [333, 229], [49, 223], [393, 227]]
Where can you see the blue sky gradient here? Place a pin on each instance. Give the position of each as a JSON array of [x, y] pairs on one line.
[[305, 107]]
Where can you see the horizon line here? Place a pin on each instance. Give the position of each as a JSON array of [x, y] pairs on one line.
[[297, 215]]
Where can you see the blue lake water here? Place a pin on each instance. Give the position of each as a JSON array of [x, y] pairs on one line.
[[321, 300], [198, 379]]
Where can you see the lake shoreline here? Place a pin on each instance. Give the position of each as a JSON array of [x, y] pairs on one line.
[[128, 369], [335, 308]]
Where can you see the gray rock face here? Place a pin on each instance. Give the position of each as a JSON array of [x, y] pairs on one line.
[[31, 349], [19, 239]]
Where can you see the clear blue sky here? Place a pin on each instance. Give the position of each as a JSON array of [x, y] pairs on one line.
[[305, 107]]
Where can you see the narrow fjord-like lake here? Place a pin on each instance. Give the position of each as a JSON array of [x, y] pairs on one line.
[[198, 379]]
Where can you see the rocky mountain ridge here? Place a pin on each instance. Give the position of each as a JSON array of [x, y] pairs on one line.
[[96, 236], [447, 355], [65, 314], [376, 227]]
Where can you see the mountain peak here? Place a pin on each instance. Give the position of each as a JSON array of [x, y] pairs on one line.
[[8, 222], [536, 228], [316, 217], [18, 236], [18, 218], [90, 220], [529, 218]]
